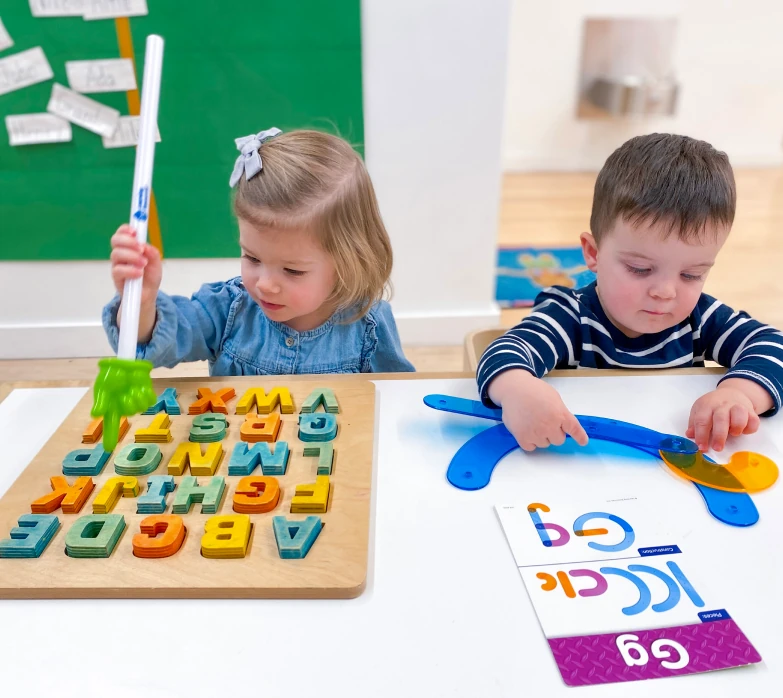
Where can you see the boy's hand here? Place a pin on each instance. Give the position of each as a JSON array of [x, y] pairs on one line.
[[727, 410], [130, 259], [533, 411]]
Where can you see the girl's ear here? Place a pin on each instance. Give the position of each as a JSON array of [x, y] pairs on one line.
[[589, 251]]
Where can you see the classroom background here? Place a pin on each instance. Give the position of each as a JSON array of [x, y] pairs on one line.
[[483, 126]]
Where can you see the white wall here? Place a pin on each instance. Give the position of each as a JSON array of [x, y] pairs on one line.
[[434, 86], [53, 309], [434, 89], [728, 59]]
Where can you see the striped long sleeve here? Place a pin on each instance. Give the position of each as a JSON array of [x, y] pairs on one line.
[[542, 342], [747, 347], [568, 329]]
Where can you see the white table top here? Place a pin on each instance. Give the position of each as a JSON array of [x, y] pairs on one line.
[[445, 611]]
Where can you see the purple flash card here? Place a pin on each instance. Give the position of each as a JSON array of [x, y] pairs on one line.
[[616, 595]]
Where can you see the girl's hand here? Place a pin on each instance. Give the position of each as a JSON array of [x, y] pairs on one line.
[[130, 260]]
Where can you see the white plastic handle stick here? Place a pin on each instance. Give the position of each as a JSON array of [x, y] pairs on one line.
[[142, 188]]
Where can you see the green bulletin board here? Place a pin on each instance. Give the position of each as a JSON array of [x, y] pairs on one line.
[[229, 69]]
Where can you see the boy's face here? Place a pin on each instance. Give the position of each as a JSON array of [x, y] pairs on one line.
[[647, 281]]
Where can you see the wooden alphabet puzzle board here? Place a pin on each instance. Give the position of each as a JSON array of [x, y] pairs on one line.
[[335, 566]]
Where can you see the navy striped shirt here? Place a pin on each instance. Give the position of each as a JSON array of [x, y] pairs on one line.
[[568, 328]]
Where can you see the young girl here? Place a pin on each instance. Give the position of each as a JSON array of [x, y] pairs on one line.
[[316, 260]]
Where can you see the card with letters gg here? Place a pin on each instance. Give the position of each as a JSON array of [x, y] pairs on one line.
[[617, 595]]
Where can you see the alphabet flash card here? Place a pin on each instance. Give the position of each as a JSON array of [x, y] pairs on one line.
[[617, 594]]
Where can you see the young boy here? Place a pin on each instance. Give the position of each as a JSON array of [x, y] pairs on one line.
[[662, 210]]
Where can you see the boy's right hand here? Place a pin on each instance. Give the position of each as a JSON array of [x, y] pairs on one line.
[[130, 259], [533, 411]]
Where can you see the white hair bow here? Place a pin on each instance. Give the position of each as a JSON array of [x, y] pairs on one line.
[[249, 160]]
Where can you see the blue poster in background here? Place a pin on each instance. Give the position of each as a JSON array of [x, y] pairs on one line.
[[524, 271]]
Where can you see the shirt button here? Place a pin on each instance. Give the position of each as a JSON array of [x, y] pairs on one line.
[[290, 341]]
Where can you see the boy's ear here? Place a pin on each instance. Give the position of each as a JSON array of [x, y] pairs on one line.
[[589, 251]]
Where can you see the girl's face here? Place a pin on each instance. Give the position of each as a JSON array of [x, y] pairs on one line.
[[647, 281], [288, 274]]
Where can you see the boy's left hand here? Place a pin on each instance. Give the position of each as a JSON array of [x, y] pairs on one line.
[[726, 410]]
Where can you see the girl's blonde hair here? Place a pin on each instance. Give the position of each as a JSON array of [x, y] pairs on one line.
[[317, 181]]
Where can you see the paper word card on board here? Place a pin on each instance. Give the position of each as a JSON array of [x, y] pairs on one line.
[[5, 38], [107, 75], [32, 129], [58, 8], [24, 69], [83, 111], [127, 133], [108, 9]]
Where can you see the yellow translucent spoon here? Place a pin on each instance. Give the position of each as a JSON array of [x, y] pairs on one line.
[[745, 472]]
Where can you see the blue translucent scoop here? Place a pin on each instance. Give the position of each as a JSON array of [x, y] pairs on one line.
[[471, 467], [596, 427]]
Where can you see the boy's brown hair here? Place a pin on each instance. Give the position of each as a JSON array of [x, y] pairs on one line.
[[679, 181]]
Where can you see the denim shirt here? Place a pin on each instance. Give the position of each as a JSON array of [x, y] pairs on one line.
[[223, 325]]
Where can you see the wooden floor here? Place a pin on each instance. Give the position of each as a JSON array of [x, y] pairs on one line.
[[552, 209]]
